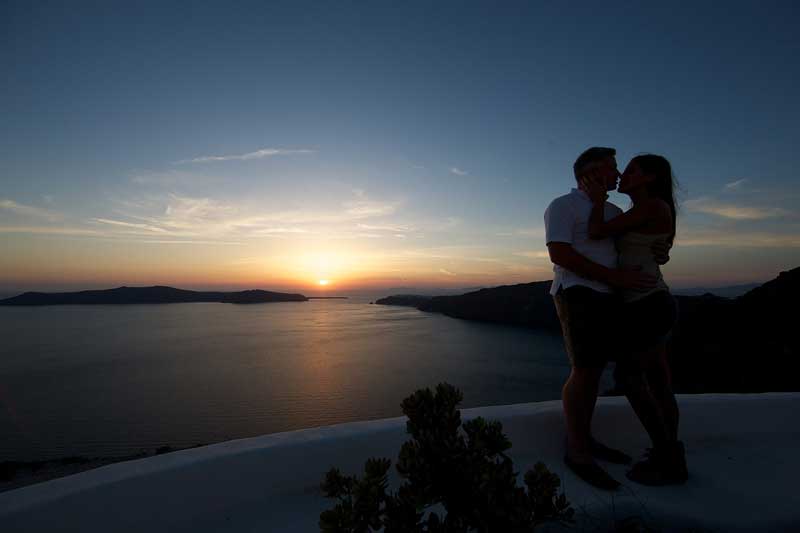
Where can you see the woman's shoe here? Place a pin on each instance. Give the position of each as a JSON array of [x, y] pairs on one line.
[[661, 466]]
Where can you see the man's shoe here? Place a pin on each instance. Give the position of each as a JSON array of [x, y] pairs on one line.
[[661, 466], [678, 462], [604, 453], [592, 474]]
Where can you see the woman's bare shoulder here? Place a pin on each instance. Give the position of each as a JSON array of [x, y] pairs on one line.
[[658, 206]]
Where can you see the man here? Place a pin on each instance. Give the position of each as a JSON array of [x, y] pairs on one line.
[[585, 275]]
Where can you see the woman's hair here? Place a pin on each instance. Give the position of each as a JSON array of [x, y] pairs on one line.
[[663, 185]]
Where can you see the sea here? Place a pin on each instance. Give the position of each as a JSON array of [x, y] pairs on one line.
[[118, 380]]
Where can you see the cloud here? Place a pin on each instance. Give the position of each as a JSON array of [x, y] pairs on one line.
[[203, 218], [145, 227], [390, 228], [224, 243], [167, 178], [534, 254], [458, 172], [363, 207], [278, 231], [27, 210], [736, 185], [446, 272], [258, 154], [732, 211], [734, 239], [536, 231], [50, 230]]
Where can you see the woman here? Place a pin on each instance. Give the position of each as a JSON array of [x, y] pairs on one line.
[[649, 314]]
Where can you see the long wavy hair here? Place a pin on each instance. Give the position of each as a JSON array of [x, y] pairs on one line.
[[663, 186]]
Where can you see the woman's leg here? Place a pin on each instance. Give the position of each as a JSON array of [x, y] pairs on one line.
[[631, 375], [659, 378]]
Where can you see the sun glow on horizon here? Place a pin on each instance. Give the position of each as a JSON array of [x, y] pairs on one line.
[[323, 282]]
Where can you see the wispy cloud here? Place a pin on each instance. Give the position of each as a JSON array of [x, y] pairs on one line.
[[279, 231], [258, 154], [146, 227], [27, 210], [206, 218], [369, 208], [534, 254], [184, 241], [733, 211], [51, 230], [736, 185], [734, 239], [379, 227], [446, 272], [536, 232], [166, 178], [458, 172]]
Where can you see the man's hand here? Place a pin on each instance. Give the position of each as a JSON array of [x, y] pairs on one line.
[[594, 187], [660, 249], [632, 279]]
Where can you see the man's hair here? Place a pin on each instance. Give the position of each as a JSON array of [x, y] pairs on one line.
[[592, 155]]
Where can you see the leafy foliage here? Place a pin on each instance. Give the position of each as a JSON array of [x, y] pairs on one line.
[[460, 468]]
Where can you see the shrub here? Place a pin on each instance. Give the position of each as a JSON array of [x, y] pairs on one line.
[[461, 468]]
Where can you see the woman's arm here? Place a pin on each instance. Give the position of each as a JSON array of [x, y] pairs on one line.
[[599, 228]]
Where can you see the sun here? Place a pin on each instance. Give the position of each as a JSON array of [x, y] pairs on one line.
[[323, 282]]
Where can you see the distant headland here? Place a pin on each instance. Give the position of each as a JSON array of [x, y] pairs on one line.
[[150, 295]]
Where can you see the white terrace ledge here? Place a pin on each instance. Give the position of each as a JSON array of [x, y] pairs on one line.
[[742, 451]]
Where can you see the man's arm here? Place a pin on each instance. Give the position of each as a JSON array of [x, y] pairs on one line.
[[564, 255]]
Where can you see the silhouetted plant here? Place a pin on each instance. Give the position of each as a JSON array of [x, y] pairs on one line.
[[465, 472]]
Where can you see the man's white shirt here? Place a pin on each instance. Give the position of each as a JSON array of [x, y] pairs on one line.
[[567, 220]]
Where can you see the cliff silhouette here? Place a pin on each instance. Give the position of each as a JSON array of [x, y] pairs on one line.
[[149, 295], [744, 344]]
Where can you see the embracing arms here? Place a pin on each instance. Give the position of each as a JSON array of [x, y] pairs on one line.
[[564, 255], [634, 218]]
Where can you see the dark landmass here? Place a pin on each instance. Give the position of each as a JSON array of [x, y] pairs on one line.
[[406, 300], [149, 295], [733, 291], [525, 304], [744, 344]]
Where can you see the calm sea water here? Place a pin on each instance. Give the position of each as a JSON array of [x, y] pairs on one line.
[[116, 380]]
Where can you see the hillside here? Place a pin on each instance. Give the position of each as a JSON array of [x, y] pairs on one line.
[[745, 344]]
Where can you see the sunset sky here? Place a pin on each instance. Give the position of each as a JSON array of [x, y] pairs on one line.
[[272, 145]]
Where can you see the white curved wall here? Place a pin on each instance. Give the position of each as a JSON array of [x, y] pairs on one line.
[[742, 453]]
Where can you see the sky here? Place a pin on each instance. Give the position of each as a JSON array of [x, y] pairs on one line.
[[375, 144]]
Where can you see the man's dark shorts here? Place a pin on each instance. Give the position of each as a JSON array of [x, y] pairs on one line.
[[589, 319]]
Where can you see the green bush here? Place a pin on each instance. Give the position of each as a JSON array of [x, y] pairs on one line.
[[465, 472]]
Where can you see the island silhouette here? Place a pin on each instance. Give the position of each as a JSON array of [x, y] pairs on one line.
[[150, 295]]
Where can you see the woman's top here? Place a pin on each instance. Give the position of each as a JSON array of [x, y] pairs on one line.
[[635, 250]]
